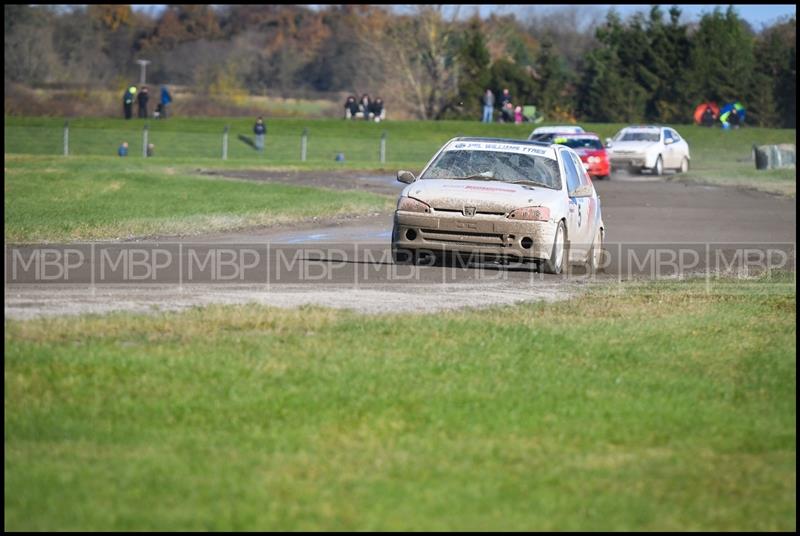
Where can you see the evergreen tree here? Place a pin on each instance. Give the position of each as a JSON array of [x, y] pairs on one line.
[[473, 59], [722, 62]]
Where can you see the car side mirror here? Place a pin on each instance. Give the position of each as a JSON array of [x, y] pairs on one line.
[[669, 141], [585, 190], [405, 176], [608, 142]]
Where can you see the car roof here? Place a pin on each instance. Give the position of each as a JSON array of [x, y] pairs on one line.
[[578, 134], [645, 127], [557, 128]]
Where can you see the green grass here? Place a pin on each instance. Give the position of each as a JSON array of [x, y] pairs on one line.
[[658, 406], [82, 198], [718, 156], [94, 194]]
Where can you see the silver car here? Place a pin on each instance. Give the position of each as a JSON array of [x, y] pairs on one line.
[[501, 199], [653, 148]]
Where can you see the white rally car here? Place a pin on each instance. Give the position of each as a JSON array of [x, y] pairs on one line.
[[654, 148], [500, 199]]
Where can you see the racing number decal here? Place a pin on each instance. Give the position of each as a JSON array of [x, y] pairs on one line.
[[579, 215]]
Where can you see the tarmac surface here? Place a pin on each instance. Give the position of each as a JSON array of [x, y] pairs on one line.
[[656, 228]]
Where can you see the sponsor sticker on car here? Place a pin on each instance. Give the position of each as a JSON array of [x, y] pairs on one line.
[[500, 147]]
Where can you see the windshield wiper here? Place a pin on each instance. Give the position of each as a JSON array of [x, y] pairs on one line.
[[485, 176], [527, 181]]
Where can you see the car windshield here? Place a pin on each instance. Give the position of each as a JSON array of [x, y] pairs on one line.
[[496, 166], [639, 135], [580, 143]]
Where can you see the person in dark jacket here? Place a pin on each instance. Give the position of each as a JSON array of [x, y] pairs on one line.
[[260, 130], [376, 111], [507, 113], [505, 98], [350, 107], [363, 107], [142, 98], [127, 101], [707, 119]]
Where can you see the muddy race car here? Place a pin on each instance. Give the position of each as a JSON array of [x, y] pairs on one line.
[[503, 200]]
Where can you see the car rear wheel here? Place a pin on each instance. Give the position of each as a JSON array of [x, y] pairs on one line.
[[658, 170], [684, 165], [555, 263]]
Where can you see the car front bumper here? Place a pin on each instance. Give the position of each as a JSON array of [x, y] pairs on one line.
[[485, 235]]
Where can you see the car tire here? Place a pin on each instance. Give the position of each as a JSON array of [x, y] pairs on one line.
[[593, 260], [684, 165], [555, 264], [658, 169]]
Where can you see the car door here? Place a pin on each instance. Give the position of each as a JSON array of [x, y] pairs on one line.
[[586, 209], [577, 217], [670, 150], [681, 148]]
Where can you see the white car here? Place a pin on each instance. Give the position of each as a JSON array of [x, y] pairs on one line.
[[500, 199], [558, 129], [655, 148]]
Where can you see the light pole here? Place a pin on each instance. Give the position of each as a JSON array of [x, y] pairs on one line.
[[143, 72]]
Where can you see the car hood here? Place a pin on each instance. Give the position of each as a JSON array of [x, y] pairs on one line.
[[489, 196], [632, 146]]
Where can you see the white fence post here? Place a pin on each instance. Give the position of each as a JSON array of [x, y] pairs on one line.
[[66, 138], [225, 143], [144, 141], [304, 145], [383, 147]]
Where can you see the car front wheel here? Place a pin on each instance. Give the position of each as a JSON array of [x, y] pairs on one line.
[[684, 165], [555, 263], [658, 170]]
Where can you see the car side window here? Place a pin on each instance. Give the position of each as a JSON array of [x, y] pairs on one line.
[[573, 181], [675, 135], [583, 176], [667, 136]]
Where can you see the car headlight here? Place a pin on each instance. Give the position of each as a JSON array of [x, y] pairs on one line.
[[530, 214], [409, 204]]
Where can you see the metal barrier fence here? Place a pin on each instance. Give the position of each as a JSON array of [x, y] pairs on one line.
[[228, 144]]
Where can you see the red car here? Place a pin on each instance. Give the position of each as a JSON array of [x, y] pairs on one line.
[[591, 150]]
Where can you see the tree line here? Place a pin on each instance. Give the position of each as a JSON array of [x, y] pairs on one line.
[[427, 63]]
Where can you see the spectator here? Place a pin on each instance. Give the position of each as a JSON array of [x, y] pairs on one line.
[[166, 98], [260, 130], [363, 107], [518, 115], [123, 149], [127, 101], [505, 98], [708, 117], [143, 97], [151, 150], [733, 118], [488, 106], [507, 113], [350, 107], [377, 111]]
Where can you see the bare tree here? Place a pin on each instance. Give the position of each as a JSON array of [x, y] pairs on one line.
[[418, 53]]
